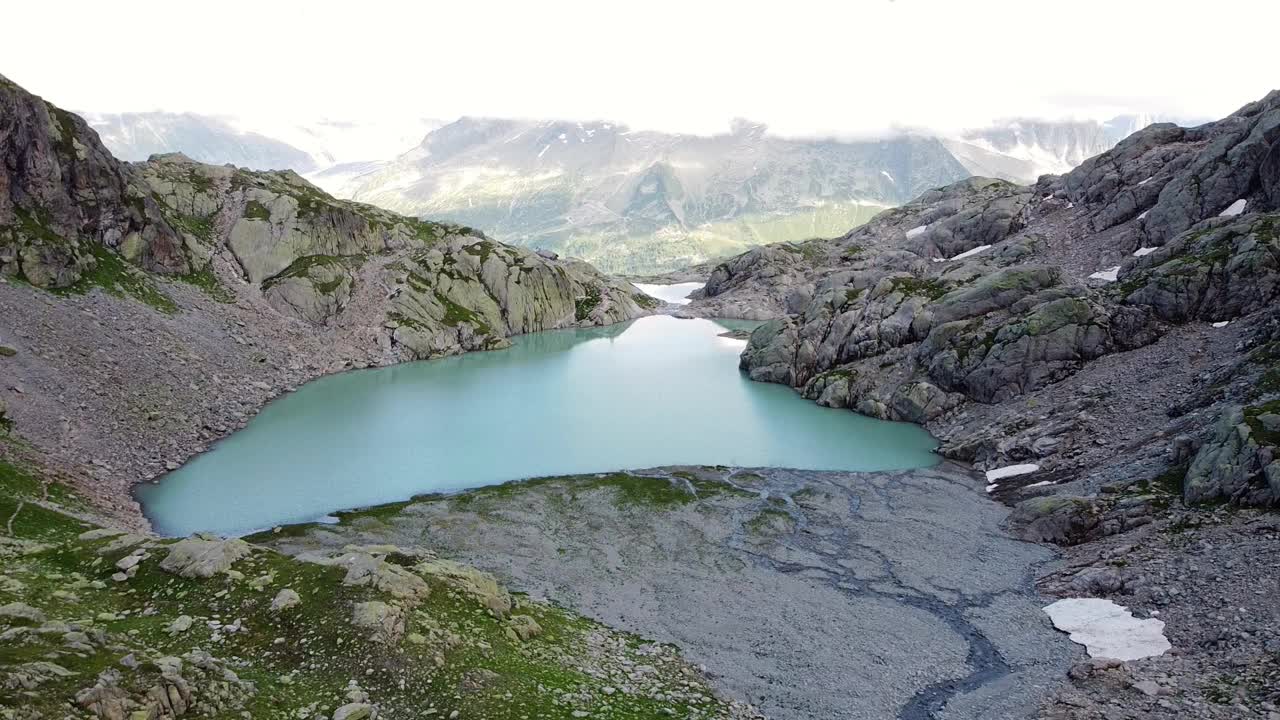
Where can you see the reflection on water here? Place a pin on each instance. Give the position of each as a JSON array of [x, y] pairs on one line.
[[655, 391]]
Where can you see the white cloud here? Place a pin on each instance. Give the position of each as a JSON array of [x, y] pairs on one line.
[[803, 67]]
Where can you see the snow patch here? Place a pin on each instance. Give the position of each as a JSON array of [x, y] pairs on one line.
[[886, 174], [971, 253], [917, 230], [1234, 208], [1143, 214], [1221, 323], [1010, 471], [544, 150], [677, 293], [1108, 630], [992, 487], [1144, 182], [1108, 275], [1042, 483], [1144, 251]]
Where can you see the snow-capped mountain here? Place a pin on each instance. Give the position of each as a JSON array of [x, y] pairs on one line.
[[258, 145], [1021, 150], [335, 142]]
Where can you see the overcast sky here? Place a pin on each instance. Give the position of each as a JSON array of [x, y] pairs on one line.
[[805, 68]]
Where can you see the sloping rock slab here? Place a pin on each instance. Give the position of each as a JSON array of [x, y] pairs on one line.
[[203, 556]]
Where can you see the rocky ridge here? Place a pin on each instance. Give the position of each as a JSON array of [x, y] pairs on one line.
[[983, 294]]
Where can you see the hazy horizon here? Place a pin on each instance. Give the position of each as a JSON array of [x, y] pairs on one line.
[[814, 70]]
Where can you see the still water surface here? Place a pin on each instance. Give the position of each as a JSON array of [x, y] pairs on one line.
[[655, 391]]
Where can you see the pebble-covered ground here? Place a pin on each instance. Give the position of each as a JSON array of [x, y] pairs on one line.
[[808, 594]]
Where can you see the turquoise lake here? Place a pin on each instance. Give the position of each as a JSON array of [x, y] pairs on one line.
[[654, 391]]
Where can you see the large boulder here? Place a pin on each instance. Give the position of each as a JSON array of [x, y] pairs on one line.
[[1057, 519], [384, 622], [203, 555]]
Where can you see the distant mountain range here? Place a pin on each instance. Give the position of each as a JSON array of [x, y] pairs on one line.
[[303, 148], [627, 201]]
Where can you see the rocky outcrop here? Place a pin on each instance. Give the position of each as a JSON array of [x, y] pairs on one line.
[[1058, 519], [63, 196], [1241, 461], [72, 216], [988, 293]]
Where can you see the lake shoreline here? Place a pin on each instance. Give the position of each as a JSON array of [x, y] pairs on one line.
[[354, 440]]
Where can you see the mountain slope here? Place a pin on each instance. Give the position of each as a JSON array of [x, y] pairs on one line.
[[138, 136], [1022, 150], [985, 291], [603, 189], [299, 249]]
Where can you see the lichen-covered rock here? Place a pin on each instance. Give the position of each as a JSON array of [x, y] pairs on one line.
[[285, 599], [203, 556], [365, 569], [1213, 273], [1058, 519], [523, 628], [355, 711], [1240, 463], [479, 584], [385, 622], [470, 293], [22, 611]]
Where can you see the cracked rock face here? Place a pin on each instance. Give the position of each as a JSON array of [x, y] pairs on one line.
[[63, 193]]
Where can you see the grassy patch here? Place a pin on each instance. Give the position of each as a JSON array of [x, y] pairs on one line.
[[1259, 431], [117, 277], [302, 267], [206, 280], [453, 654], [919, 287], [254, 210], [455, 314], [584, 305], [646, 301], [770, 521]]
